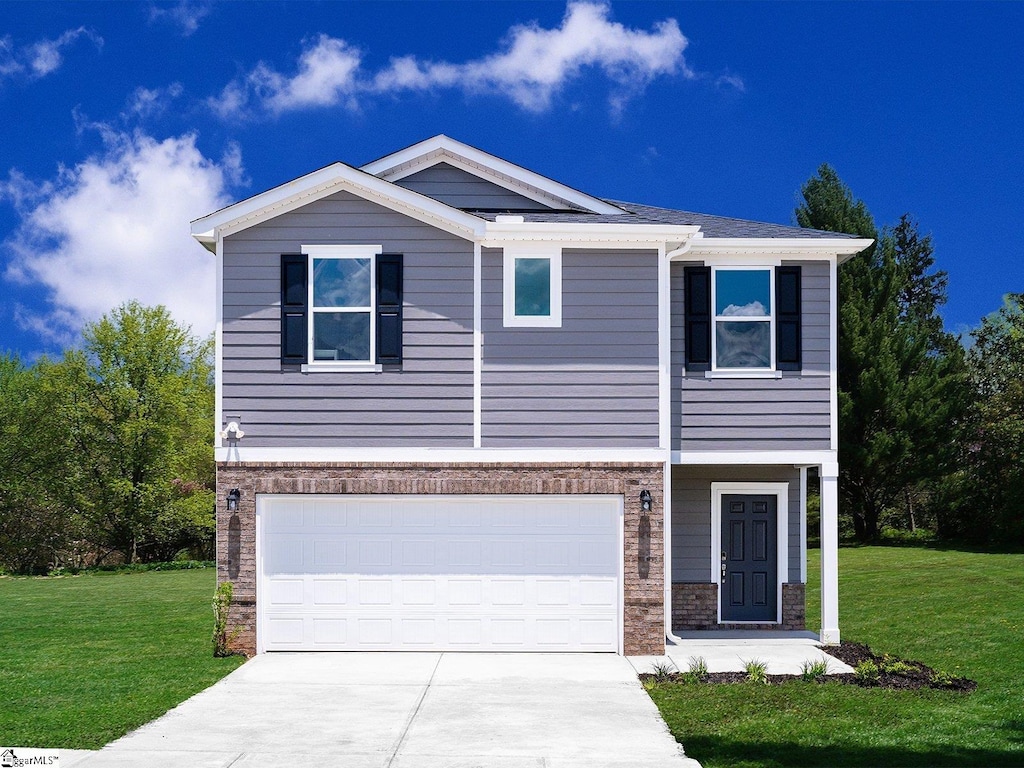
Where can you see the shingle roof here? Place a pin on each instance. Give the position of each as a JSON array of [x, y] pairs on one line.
[[635, 213]]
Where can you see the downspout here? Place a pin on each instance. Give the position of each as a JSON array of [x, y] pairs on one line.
[[665, 300]]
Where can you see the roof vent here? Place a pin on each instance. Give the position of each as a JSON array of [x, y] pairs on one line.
[[505, 218]]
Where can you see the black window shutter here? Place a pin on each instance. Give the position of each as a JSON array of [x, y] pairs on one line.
[[294, 312], [787, 319], [697, 301], [389, 309]]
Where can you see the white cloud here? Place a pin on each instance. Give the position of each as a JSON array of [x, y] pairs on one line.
[[115, 228], [150, 102], [43, 57], [532, 67], [185, 14], [753, 309]]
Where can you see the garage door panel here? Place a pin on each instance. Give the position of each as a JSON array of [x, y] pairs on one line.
[[415, 573]]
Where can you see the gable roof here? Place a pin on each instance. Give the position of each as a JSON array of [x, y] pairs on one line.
[[572, 216], [443, 149]]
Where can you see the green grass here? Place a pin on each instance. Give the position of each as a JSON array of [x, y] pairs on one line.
[[961, 612], [85, 659]]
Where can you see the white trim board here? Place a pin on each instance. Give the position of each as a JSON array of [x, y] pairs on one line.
[[243, 454], [781, 493]]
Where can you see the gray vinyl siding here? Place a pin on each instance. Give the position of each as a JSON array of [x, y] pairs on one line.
[[591, 383], [461, 189], [429, 403], [756, 414], [691, 515]]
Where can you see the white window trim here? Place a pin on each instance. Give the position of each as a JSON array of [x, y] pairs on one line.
[[716, 371], [781, 493], [337, 251], [513, 251]]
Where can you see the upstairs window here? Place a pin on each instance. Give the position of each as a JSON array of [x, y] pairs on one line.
[[532, 278], [743, 320], [744, 324], [341, 298], [341, 307]]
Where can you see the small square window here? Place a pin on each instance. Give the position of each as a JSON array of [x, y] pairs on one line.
[[532, 278]]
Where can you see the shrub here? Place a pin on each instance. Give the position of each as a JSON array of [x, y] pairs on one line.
[[221, 636], [867, 672], [662, 671]]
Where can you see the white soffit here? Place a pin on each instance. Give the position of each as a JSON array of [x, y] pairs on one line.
[[794, 247], [513, 177]]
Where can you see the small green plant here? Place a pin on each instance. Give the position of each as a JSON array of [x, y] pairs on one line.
[[662, 671], [813, 670], [221, 636], [698, 667], [697, 671], [941, 679], [895, 666], [867, 672], [757, 671]]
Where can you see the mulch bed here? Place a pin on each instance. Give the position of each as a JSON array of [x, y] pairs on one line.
[[893, 673]]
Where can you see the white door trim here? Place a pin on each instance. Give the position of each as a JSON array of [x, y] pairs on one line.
[[781, 493]]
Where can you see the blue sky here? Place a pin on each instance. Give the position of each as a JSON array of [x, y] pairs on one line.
[[123, 121]]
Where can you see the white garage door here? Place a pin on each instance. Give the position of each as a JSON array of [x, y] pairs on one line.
[[508, 573]]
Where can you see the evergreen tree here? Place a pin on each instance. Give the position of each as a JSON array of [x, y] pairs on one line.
[[901, 377]]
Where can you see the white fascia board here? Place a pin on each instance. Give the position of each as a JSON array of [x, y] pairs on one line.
[[582, 234], [327, 181], [429, 151], [256, 455], [796, 458], [790, 247]]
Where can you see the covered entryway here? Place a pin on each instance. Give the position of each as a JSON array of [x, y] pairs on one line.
[[401, 572]]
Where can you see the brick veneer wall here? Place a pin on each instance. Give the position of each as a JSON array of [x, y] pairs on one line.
[[695, 607], [644, 630]]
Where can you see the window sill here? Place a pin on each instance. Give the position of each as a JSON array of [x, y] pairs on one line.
[[329, 367], [742, 374]]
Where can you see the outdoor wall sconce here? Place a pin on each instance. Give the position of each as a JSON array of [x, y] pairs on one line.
[[233, 496], [232, 432], [645, 502]]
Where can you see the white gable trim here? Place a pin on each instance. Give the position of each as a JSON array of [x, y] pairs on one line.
[[441, 148], [322, 183]]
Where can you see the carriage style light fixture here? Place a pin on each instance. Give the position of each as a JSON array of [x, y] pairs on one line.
[[645, 501], [233, 496]]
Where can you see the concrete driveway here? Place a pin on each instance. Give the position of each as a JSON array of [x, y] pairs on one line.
[[397, 710]]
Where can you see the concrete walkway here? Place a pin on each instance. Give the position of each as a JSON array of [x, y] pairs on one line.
[[728, 651], [398, 710]]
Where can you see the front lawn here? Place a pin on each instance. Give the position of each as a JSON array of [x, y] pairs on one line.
[[961, 612], [85, 659]]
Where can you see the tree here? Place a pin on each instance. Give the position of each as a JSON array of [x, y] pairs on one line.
[[138, 404], [989, 500], [35, 530], [901, 377]]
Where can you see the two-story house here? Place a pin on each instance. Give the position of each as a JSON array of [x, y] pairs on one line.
[[463, 406]]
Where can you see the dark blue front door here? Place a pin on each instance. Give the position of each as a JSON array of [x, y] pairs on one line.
[[749, 546]]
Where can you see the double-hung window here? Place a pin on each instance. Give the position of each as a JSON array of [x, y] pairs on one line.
[[532, 279], [341, 308], [342, 303], [743, 301], [743, 320]]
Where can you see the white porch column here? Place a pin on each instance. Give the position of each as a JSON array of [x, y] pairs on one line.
[[829, 554]]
